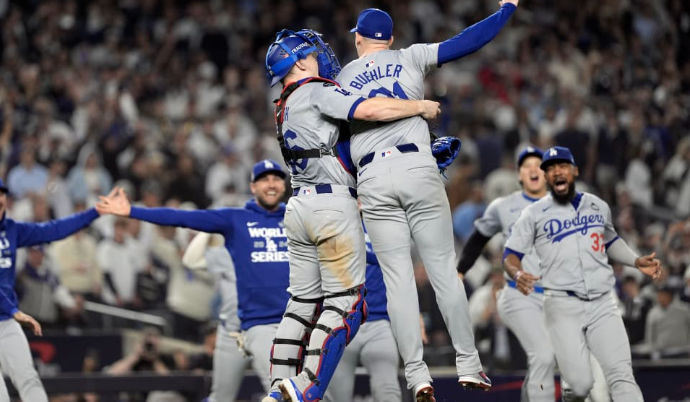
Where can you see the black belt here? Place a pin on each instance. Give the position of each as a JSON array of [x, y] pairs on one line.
[[573, 294], [325, 189], [404, 148]]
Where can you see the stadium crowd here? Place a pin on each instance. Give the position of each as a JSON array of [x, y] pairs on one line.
[[169, 100]]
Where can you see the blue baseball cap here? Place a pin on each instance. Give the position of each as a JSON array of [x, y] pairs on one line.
[[3, 188], [267, 166], [374, 24], [556, 154], [529, 151]]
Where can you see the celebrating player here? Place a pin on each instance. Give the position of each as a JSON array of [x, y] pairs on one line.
[[402, 194], [523, 315], [15, 356], [325, 237], [255, 238], [573, 237], [374, 346], [229, 362]]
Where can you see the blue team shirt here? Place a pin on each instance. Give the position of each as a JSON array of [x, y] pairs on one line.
[[257, 243], [14, 235]]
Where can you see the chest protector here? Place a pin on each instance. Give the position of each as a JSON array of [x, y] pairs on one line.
[[291, 156]]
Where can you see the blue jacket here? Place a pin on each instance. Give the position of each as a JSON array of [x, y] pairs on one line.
[[376, 289], [256, 240], [23, 234]]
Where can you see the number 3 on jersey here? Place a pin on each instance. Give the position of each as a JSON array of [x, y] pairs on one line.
[[598, 244], [290, 136], [397, 92]]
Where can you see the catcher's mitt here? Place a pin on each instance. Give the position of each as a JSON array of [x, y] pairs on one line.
[[445, 150]]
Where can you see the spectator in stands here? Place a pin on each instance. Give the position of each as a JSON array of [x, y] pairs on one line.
[[29, 177], [466, 213], [41, 294], [228, 171], [203, 362], [635, 310], [120, 259], [80, 272], [668, 325], [189, 293], [685, 291], [88, 178], [146, 356]]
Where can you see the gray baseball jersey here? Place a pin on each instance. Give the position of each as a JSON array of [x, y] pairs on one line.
[[320, 106], [394, 74], [569, 242], [500, 216]]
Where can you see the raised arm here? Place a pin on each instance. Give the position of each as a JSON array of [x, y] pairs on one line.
[[29, 234], [476, 36], [211, 221]]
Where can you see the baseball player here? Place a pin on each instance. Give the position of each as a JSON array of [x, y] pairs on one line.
[[255, 238], [403, 197], [523, 315], [374, 346], [573, 237], [205, 251], [325, 237], [15, 356]]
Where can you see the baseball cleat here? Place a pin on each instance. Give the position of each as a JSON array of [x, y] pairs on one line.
[[424, 392], [475, 381], [274, 396], [290, 392]]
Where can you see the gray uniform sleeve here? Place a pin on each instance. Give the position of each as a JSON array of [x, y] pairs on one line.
[[422, 55], [490, 223], [610, 233], [333, 101], [522, 237]]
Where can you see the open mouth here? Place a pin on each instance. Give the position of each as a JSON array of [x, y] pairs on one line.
[[534, 179], [560, 185]]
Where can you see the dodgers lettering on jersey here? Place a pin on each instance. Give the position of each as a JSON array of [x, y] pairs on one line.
[[570, 243], [500, 216], [313, 114], [394, 74]]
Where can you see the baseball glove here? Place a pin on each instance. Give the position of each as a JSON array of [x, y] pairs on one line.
[[445, 150]]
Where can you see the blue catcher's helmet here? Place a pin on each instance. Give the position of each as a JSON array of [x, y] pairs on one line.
[[291, 46]]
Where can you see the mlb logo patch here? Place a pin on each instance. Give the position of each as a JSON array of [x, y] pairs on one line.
[[378, 34], [306, 191], [370, 64], [386, 153]]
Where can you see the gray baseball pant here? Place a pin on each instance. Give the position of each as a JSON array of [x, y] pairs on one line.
[[16, 362], [404, 200]]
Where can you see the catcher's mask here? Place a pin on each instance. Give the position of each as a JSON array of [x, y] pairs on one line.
[[291, 46]]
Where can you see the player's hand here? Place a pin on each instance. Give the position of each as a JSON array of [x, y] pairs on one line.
[[431, 109], [28, 321], [525, 282], [649, 265], [502, 2], [116, 203]]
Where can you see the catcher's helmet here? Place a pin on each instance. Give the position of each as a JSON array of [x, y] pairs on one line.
[[291, 46]]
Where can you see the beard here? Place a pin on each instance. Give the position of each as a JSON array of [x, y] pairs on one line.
[[567, 197]]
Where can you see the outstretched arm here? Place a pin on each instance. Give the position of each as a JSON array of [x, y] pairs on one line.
[[212, 221], [29, 234], [476, 36]]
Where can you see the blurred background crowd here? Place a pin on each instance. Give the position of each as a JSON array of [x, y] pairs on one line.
[[169, 100]]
